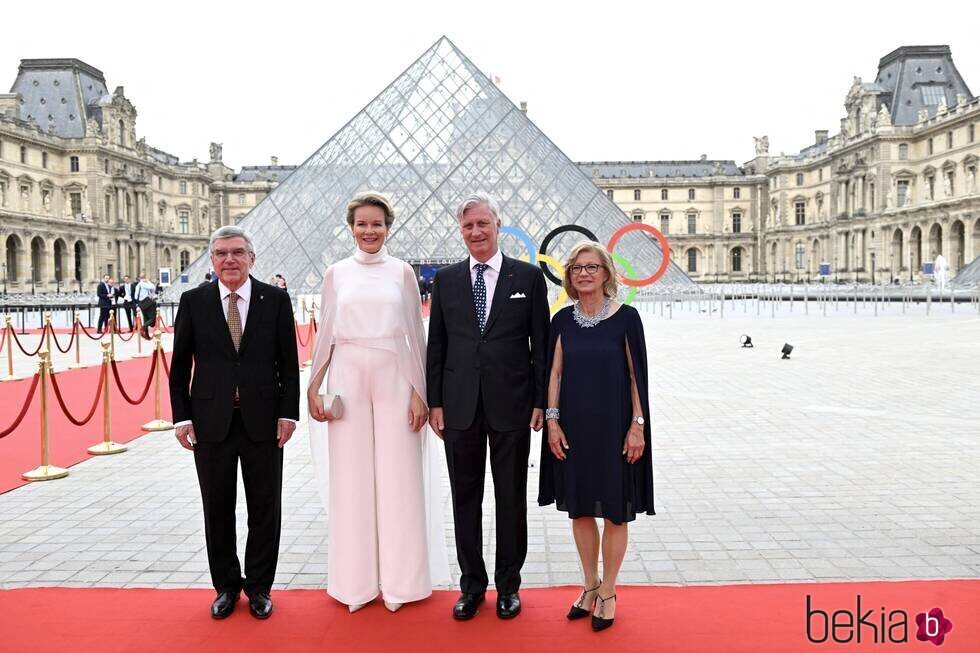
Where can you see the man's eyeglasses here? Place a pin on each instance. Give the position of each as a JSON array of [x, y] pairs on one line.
[[591, 269], [234, 253]]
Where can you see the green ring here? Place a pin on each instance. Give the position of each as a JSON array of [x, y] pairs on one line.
[[630, 274]]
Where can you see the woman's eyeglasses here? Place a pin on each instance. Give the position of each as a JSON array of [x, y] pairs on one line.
[[591, 269]]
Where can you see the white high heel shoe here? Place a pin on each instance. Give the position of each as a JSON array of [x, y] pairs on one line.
[[354, 607], [393, 607]]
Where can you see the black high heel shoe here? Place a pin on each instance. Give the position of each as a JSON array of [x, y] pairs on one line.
[[578, 613], [599, 623]]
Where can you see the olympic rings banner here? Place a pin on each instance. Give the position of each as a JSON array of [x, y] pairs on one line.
[[548, 263]]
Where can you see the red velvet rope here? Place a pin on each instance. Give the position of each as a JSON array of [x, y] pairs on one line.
[[3, 337], [299, 337], [163, 359], [146, 390], [120, 336], [21, 347], [23, 410], [64, 408], [85, 331], [54, 336]]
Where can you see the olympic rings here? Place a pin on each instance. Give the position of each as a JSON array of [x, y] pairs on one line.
[[551, 236], [528, 243], [563, 295], [664, 249], [631, 294]]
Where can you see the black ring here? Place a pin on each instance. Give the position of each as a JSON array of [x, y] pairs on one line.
[[557, 231]]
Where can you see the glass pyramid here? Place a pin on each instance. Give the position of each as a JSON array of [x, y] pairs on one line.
[[439, 132]]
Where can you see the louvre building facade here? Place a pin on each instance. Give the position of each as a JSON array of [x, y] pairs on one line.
[[82, 194]]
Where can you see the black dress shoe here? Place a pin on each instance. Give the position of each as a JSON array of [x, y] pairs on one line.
[[260, 605], [466, 606], [508, 605], [224, 604]]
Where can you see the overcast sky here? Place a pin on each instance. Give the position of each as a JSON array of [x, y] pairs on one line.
[[605, 80]]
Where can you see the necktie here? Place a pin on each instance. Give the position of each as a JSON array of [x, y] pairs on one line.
[[234, 320], [480, 295]]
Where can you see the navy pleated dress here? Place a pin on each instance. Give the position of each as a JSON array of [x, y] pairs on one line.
[[596, 412]]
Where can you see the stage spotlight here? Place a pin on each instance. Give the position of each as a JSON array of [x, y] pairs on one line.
[[746, 341], [787, 348]]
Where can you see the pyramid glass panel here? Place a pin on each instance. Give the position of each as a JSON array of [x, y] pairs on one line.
[[439, 132]]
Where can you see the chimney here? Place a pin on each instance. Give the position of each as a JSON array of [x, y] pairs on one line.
[[524, 107], [820, 135], [704, 157], [275, 161]]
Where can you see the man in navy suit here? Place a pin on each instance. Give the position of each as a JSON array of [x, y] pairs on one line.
[[106, 296]]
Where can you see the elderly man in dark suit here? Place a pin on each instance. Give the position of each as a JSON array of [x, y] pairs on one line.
[[488, 336], [241, 405]]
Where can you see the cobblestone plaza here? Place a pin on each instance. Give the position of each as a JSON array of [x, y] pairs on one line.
[[854, 460]]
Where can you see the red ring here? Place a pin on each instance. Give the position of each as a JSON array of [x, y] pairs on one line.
[[664, 248]]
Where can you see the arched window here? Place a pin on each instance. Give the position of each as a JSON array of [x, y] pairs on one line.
[[609, 194], [122, 133], [13, 271], [636, 195], [736, 193], [663, 194], [692, 260], [799, 178], [690, 193], [37, 253]]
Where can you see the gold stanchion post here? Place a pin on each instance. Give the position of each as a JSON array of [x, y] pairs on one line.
[[46, 334], [107, 446], [112, 333], [78, 342], [45, 472], [138, 334], [157, 424], [10, 352]]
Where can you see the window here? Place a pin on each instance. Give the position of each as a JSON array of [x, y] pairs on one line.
[[736, 193], [241, 199], [159, 183], [76, 204], [638, 217], [44, 160], [736, 222], [799, 178], [932, 94], [663, 194], [871, 190], [636, 195], [800, 211], [820, 174], [184, 221], [73, 164], [690, 193], [950, 191], [609, 194], [931, 186], [929, 146], [800, 256], [665, 224], [185, 260], [903, 151], [692, 260], [949, 140], [737, 259], [902, 192], [122, 134], [971, 135], [23, 154], [107, 166], [692, 223], [183, 187]]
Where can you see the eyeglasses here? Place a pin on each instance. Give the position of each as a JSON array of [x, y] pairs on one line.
[[234, 253], [589, 269]]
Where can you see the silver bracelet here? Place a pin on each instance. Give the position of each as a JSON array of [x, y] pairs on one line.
[[552, 413]]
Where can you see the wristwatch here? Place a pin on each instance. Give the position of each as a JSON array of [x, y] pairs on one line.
[[639, 420]]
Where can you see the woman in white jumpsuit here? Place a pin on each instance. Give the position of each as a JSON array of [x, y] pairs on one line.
[[385, 519]]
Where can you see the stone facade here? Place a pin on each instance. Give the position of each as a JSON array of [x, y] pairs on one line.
[[81, 195], [896, 187]]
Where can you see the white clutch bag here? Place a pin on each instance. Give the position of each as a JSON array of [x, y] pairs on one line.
[[333, 406]]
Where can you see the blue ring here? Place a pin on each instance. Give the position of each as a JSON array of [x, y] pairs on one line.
[[532, 253]]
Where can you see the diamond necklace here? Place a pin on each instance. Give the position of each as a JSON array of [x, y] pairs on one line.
[[589, 321]]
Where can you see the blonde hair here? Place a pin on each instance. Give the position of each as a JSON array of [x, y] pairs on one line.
[[371, 198], [610, 287]]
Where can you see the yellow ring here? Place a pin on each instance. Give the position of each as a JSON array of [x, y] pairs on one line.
[[560, 269]]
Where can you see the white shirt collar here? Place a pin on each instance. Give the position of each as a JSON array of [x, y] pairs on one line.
[[245, 292], [495, 261]]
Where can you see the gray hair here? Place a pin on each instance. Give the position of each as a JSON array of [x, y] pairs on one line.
[[231, 231], [475, 199]]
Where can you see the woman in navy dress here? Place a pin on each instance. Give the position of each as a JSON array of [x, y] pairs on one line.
[[596, 461]]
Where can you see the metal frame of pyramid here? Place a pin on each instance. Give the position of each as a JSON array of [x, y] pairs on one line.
[[440, 131]]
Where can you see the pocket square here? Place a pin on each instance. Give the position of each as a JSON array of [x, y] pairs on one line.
[[518, 295]]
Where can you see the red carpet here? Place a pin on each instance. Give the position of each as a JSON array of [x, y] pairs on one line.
[[21, 450], [733, 618]]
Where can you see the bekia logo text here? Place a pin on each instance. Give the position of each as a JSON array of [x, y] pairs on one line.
[[879, 626]]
